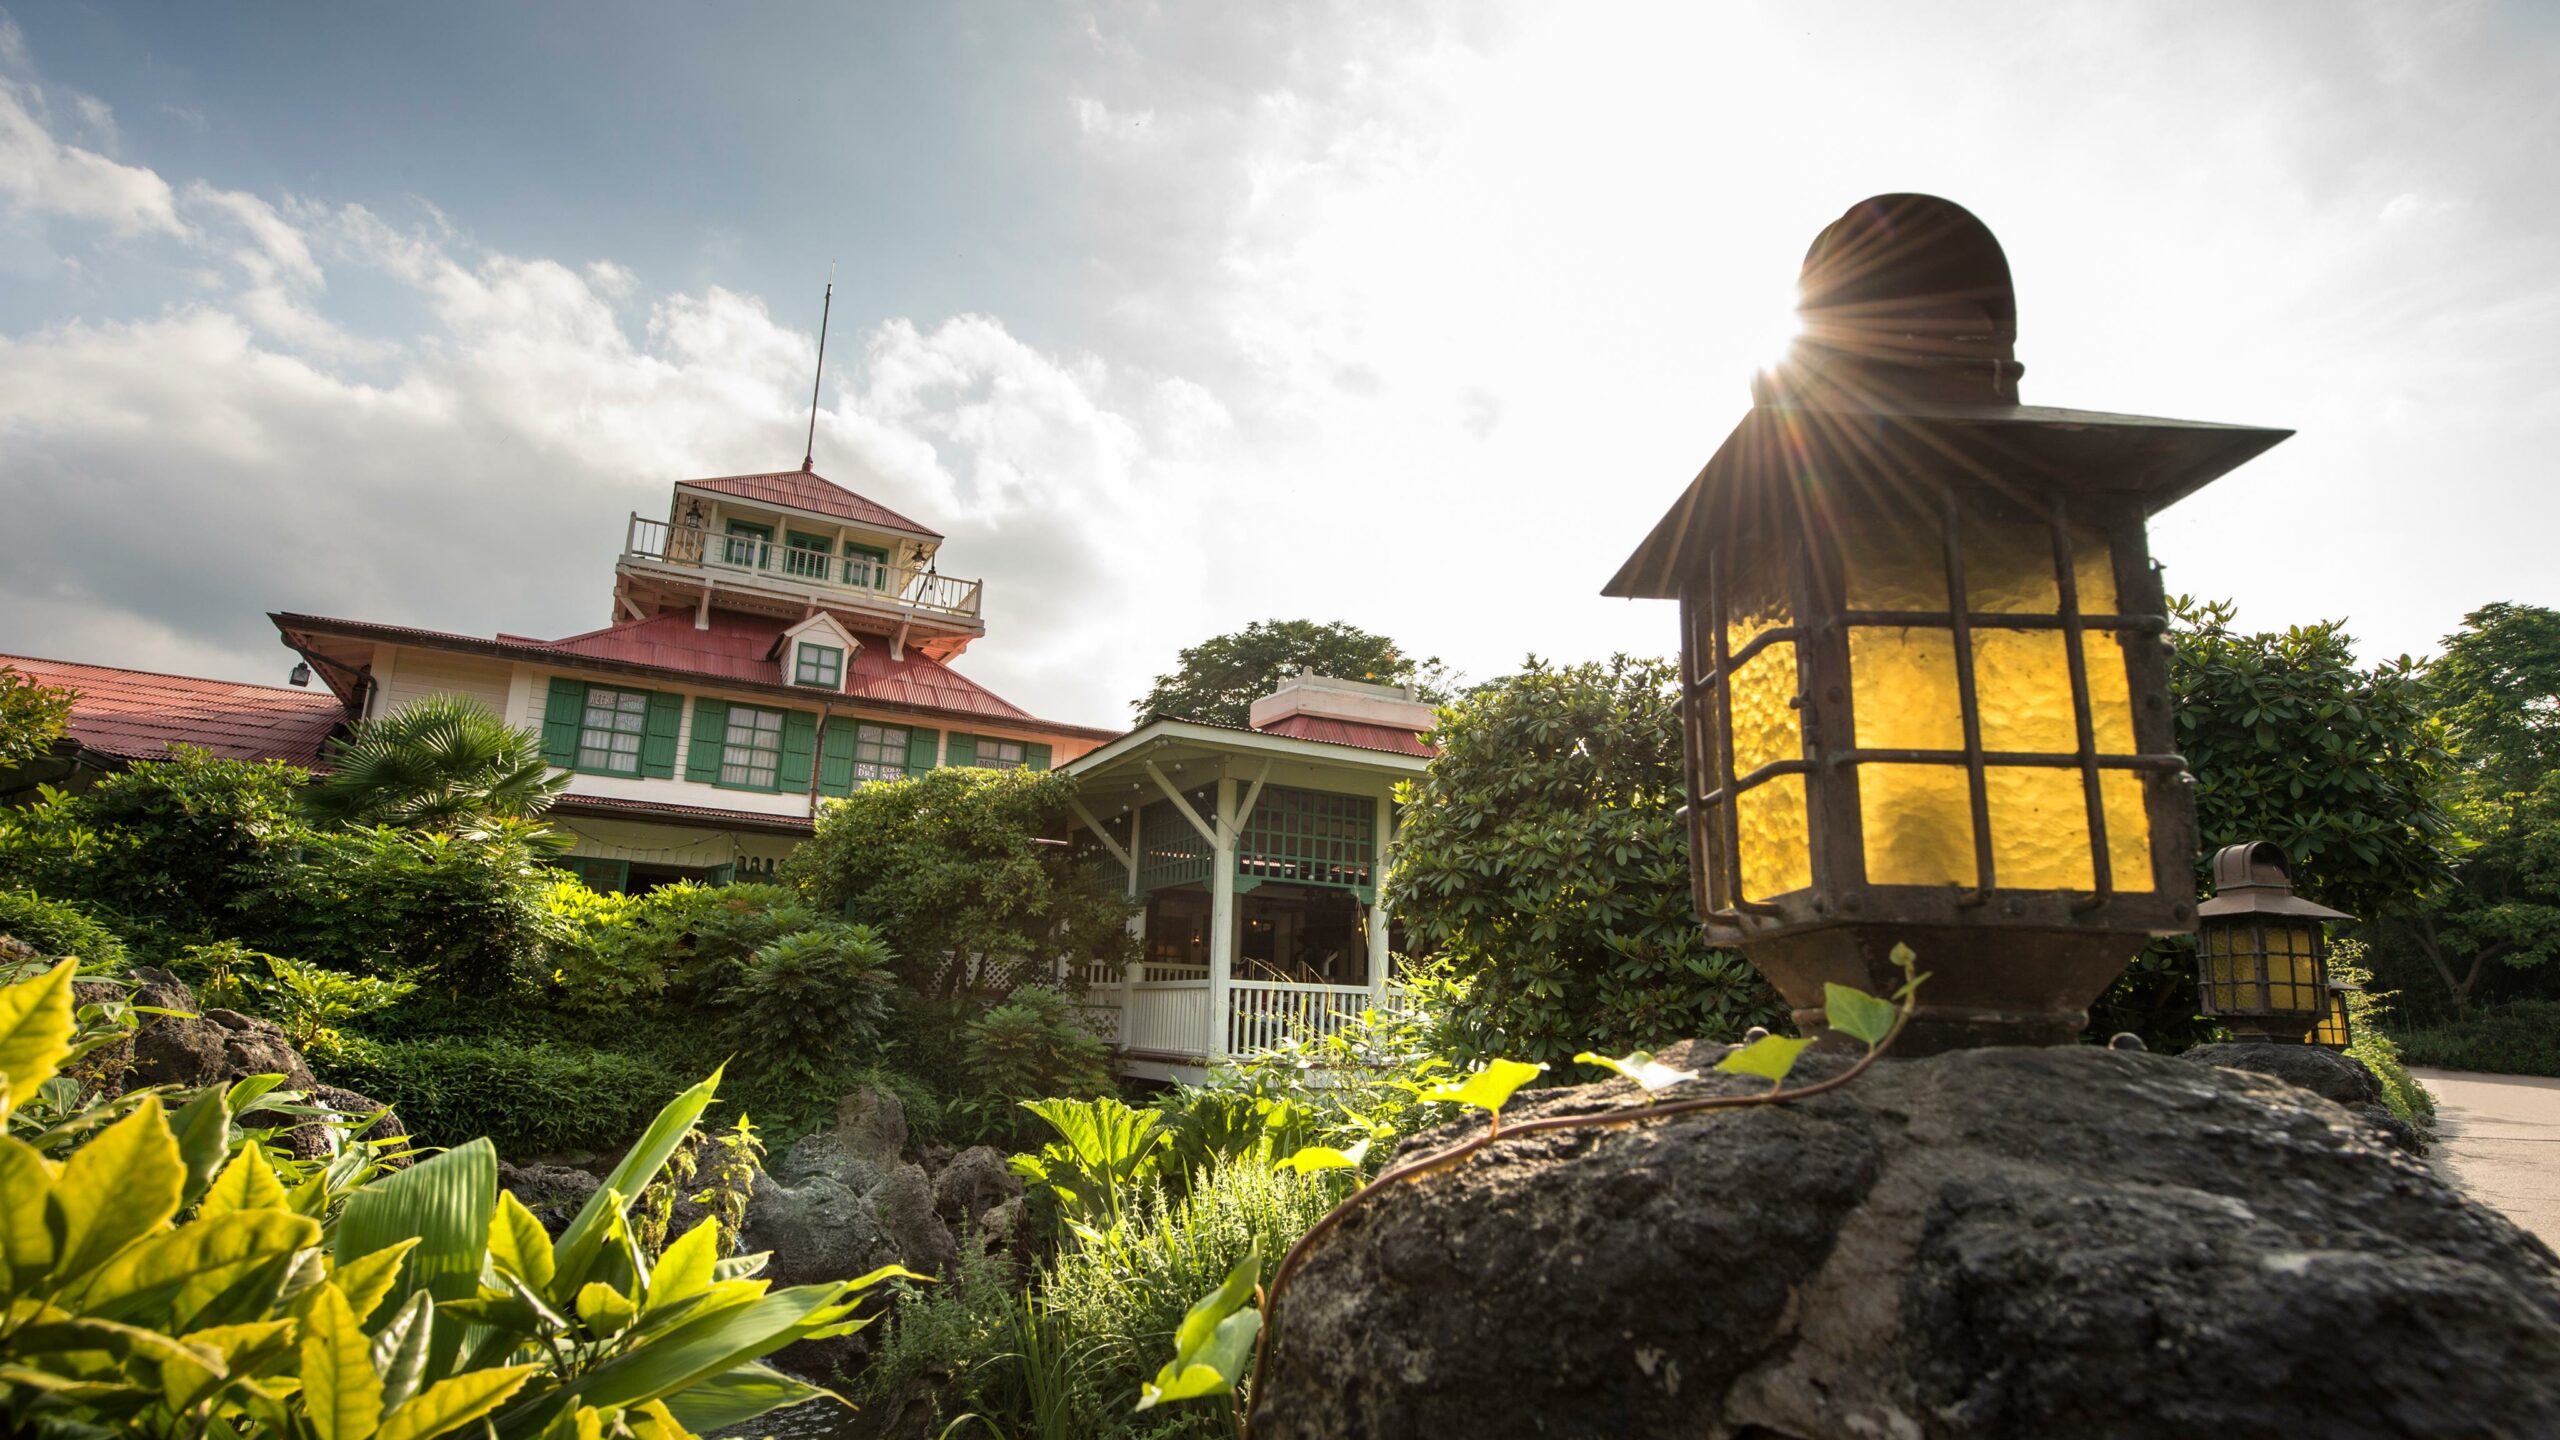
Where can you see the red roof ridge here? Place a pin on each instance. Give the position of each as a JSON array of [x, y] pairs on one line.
[[284, 690], [857, 507]]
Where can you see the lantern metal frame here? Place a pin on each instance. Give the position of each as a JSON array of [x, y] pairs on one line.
[[2252, 894], [1899, 406], [2336, 1030]]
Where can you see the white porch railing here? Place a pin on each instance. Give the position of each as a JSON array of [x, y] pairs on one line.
[[1262, 1013], [1167, 1017], [862, 575]]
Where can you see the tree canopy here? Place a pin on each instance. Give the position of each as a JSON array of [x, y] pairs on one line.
[[1543, 855], [31, 716], [1218, 679]]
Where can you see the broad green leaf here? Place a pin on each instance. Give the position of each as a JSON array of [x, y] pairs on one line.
[[367, 1280], [579, 1244], [35, 1028], [1770, 1057], [245, 1350], [1640, 1066], [1312, 1158], [248, 1092], [451, 1404], [604, 1309], [445, 1201], [400, 1349], [203, 1130], [684, 1271], [85, 1332], [518, 1242], [654, 1421], [339, 1389], [1488, 1089], [741, 1267], [1858, 1014], [119, 1187], [187, 1268], [247, 1183], [1200, 1323], [686, 1354], [1216, 1370], [740, 1395], [26, 1188]]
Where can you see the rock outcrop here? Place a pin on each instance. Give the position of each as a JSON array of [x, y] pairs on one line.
[[2028, 1242], [2324, 1072]]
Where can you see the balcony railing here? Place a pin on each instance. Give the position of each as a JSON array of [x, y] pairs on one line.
[[854, 575]]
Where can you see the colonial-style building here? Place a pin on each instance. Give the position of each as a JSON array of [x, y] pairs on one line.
[[775, 640]]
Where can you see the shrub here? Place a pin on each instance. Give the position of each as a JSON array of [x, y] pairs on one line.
[[1032, 1047], [309, 1002], [463, 912], [596, 967], [184, 841], [529, 1099], [2371, 1043], [810, 1002], [58, 928], [2519, 1038]]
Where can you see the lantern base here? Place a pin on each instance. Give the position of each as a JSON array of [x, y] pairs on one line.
[[1986, 986]]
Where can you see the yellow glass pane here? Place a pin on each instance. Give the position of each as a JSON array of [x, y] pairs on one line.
[[1755, 597], [2120, 796], [2039, 828], [1918, 821], [2023, 684], [1764, 713], [2110, 696], [1902, 689], [2008, 568], [1777, 850], [1895, 562]]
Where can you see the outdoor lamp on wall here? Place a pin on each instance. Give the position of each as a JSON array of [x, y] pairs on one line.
[[2333, 1030], [2261, 957], [1925, 690]]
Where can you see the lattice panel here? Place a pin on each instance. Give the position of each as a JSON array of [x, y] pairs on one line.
[[1309, 837]]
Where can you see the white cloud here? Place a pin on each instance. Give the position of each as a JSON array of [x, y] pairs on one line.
[[43, 176]]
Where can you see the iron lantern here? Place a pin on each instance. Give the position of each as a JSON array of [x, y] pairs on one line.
[[1924, 684], [2261, 955], [2333, 1030]]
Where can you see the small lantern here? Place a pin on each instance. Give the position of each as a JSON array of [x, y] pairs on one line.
[[1925, 689], [2333, 1030], [2261, 958]]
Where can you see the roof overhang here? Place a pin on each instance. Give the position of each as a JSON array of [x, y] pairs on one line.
[[723, 497], [1217, 750], [602, 807]]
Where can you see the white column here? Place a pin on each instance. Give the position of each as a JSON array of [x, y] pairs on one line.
[[1137, 969], [1222, 916], [1377, 906]]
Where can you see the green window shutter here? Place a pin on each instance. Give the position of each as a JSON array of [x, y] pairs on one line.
[[658, 742], [799, 747], [835, 758], [721, 875], [560, 717], [710, 727], [921, 745], [1035, 756], [963, 750]]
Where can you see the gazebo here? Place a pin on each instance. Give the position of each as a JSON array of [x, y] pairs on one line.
[[1256, 853]]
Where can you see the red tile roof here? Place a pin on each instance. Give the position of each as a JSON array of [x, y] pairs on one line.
[[1351, 732], [139, 714], [807, 490], [741, 647]]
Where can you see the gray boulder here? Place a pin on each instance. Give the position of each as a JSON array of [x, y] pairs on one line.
[[554, 1193], [972, 1183], [215, 1047], [2065, 1241], [2324, 1072]]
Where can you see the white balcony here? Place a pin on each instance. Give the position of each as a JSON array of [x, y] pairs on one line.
[[856, 580]]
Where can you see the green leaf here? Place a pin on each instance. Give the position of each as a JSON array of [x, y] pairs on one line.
[[1858, 1014], [604, 1309], [665, 1364], [188, 1268], [367, 1281], [35, 1028], [1488, 1089], [1200, 1323], [400, 1349], [119, 1187], [247, 1183], [339, 1389], [445, 1201], [740, 1395], [451, 1404], [1312, 1158], [1770, 1057], [579, 1244], [1216, 1370], [26, 1188], [518, 1242], [1641, 1067], [684, 1271], [203, 1129]]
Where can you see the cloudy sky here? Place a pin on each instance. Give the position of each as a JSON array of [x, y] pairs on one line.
[[1176, 317]]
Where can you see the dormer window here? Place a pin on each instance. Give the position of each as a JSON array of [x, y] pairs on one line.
[[818, 665]]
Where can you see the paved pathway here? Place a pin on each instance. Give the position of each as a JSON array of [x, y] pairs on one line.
[[2499, 1137]]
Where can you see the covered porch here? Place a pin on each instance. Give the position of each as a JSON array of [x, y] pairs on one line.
[[1256, 858]]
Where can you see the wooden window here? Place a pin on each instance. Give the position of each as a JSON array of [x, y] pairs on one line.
[[751, 749], [807, 556], [748, 545], [879, 752], [866, 566], [1000, 754], [820, 665], [611, 730]]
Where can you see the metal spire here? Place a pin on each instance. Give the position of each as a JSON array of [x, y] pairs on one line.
[[809, 456]]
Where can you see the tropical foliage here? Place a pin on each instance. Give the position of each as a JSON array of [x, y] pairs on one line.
[[1543, 856], [31, 716], [434, 764], [1218, 679]]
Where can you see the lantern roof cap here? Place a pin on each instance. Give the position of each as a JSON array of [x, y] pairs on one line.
[[1906, 370], [2251, 878]]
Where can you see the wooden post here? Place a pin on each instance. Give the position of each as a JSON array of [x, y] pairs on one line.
[[1222, 917], [1378, 955], [1137, 969]]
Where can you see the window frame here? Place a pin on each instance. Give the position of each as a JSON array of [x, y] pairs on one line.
[[772, 763], [1021, 753], [801, 652], [881, 740], [624, 709]]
